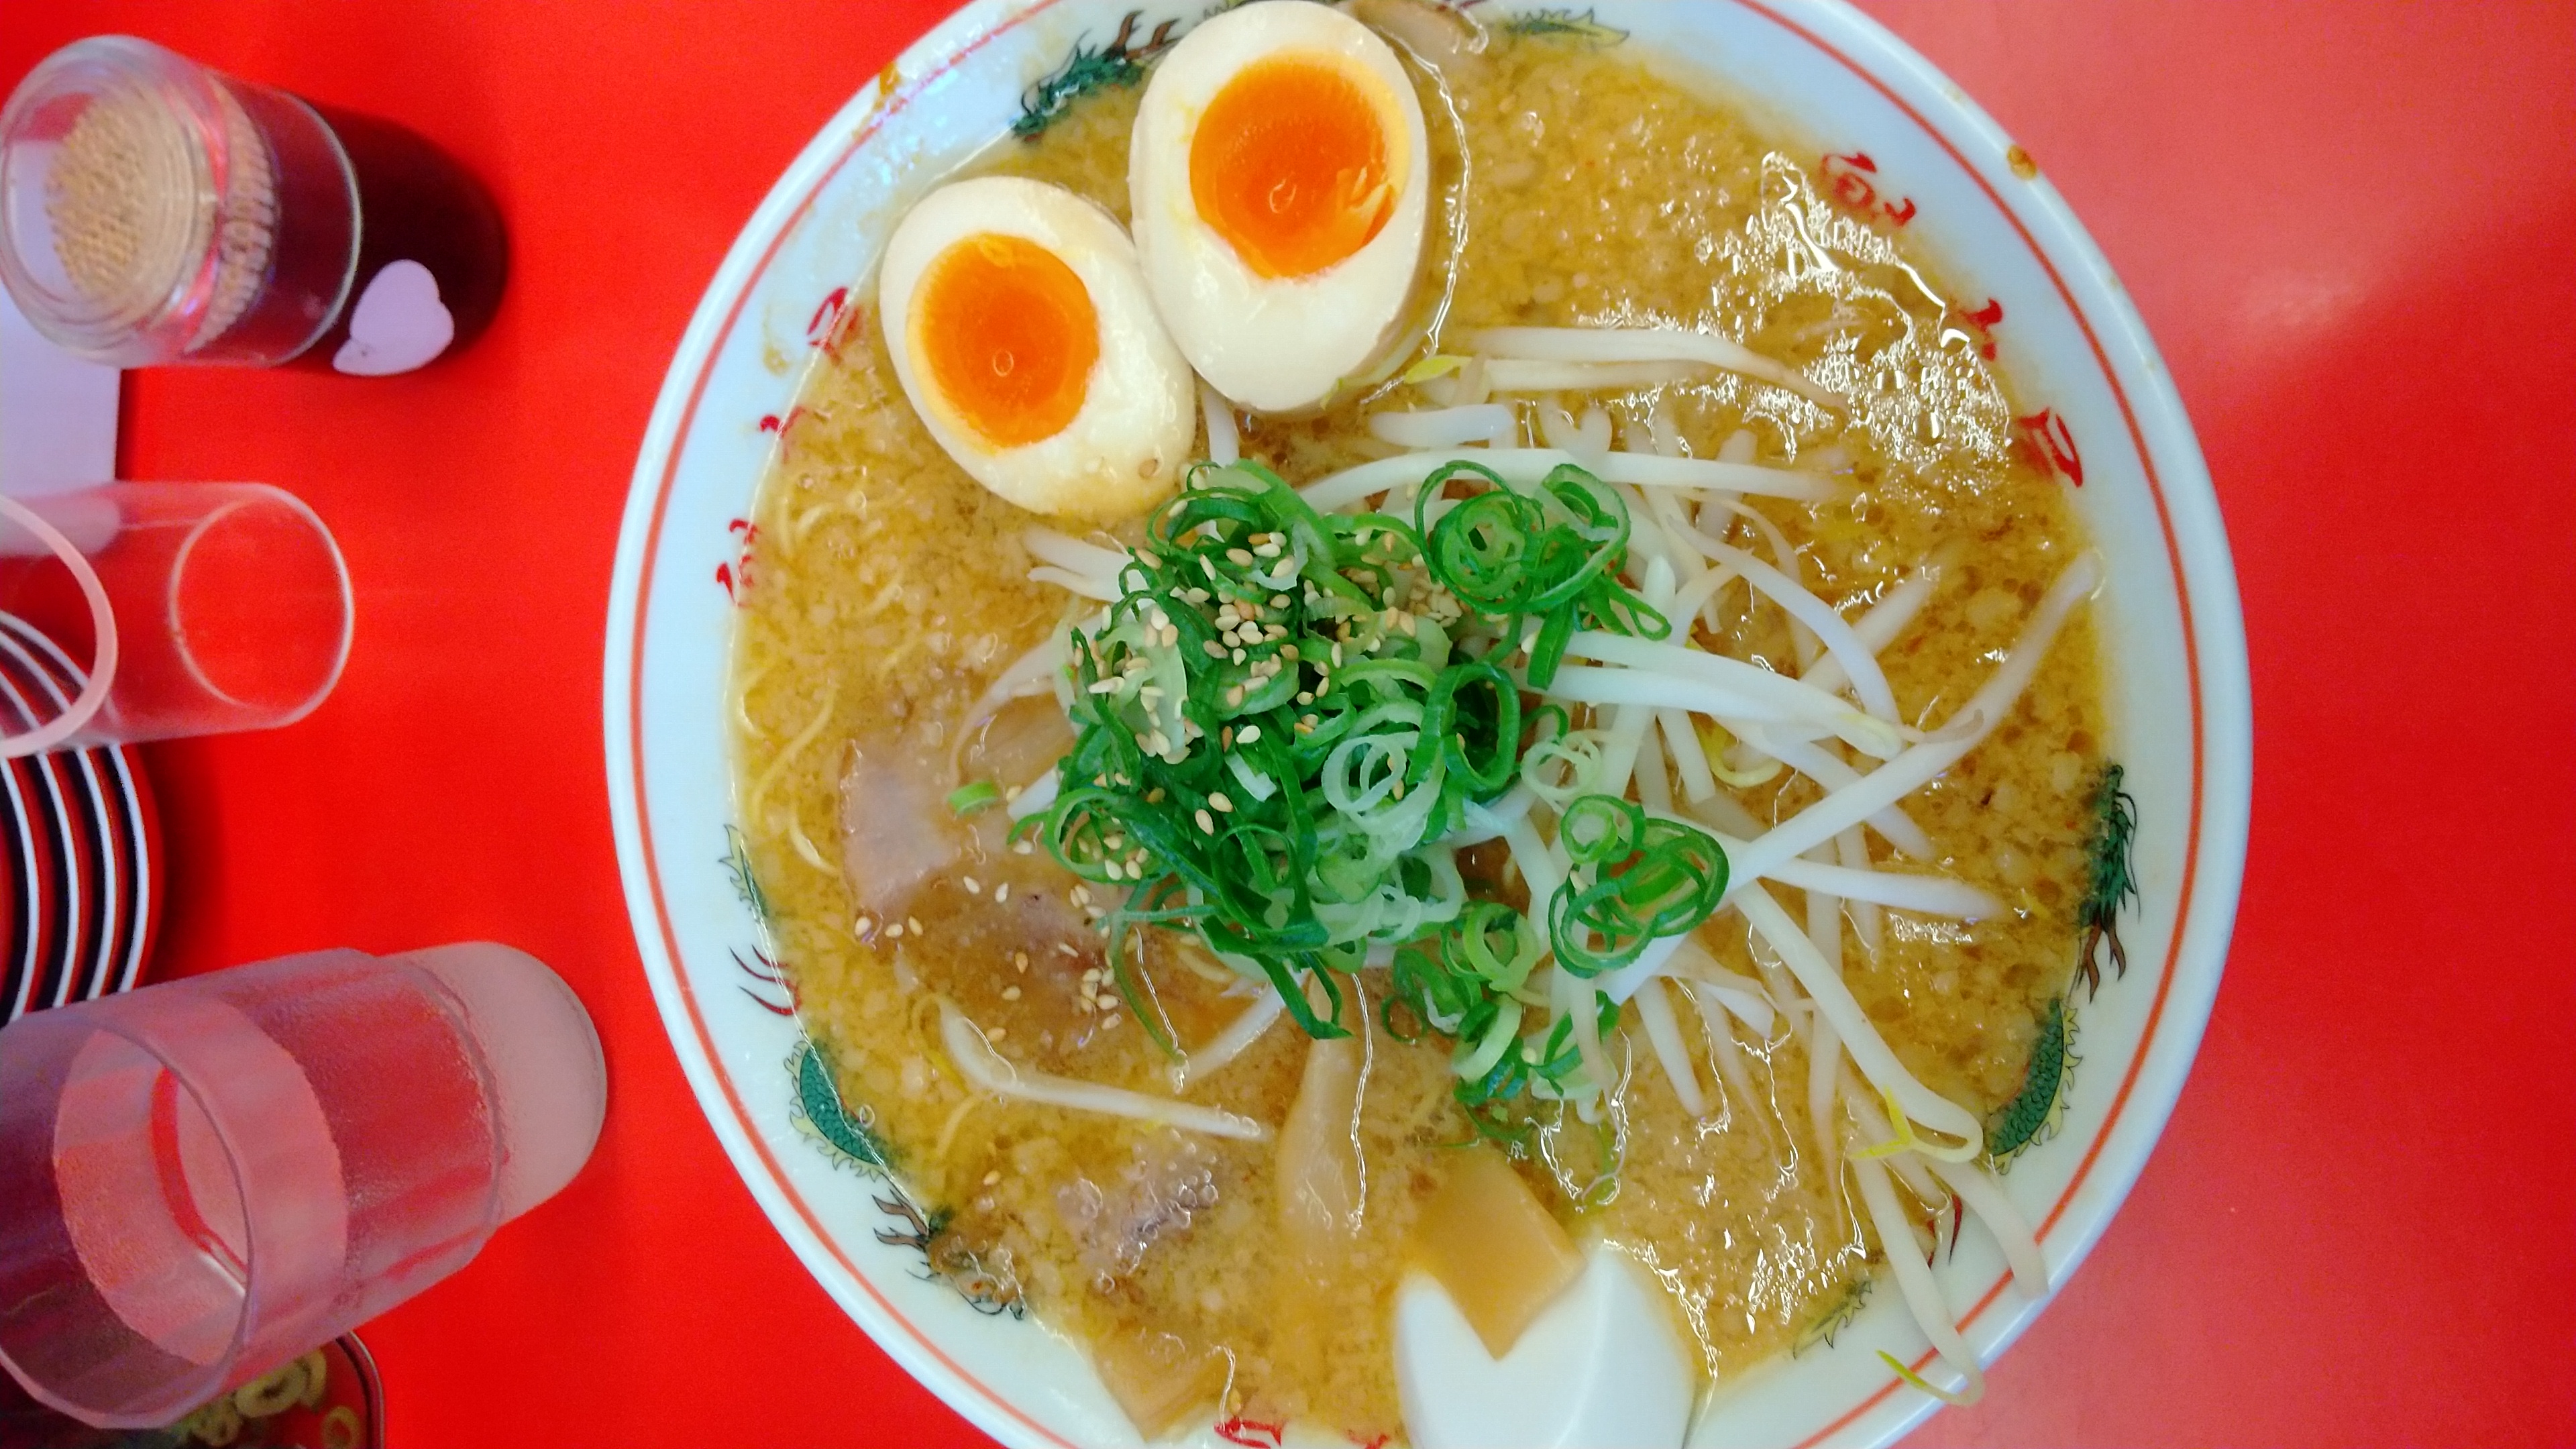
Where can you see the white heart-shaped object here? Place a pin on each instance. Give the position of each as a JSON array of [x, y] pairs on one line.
[[1603, 1367], [399, 325]]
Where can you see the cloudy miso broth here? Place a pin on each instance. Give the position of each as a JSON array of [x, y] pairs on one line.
[[1576, 187]]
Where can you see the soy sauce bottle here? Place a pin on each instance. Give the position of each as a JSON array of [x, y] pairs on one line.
[[421, 219]]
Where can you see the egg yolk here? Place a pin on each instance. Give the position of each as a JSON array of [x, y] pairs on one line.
[[1289, 165], [1008, 336]]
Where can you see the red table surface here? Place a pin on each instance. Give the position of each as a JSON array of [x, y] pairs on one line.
[[2348, 227]]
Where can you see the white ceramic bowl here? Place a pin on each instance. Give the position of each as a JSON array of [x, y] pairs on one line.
[[1845, 89]]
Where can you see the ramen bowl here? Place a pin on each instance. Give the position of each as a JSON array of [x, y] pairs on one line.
[[1885, 134]]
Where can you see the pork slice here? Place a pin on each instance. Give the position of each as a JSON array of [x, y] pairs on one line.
[[896, 831]]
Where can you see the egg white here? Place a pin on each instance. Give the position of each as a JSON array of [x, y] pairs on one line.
[[1125, 447], [1272, 344]]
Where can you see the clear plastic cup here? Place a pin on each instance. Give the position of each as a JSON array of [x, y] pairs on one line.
[[203, 608], [205, 1178]]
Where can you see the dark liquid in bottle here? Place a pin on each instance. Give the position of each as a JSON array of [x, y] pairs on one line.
[[414, 206]]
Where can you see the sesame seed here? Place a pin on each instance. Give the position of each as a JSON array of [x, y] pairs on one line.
[[1250, 735], [1001, 892], [991, 1178], [895, 931], [1238, 556], [912, 924], [1067, 946], [863, 925], [997, 1033], [1223, 805], [1237, 656], [1022, 847], [1279, 601], [1207, 826], [1019, 960], [1010, 993], [974, 887]]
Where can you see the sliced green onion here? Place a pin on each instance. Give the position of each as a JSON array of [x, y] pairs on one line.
[[1279, 721], [1285, 714], [1475, 1058], [966, 799], [1552, 555], [1636, 879]]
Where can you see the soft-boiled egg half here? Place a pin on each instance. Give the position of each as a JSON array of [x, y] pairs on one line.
[[1278, 181], [1022, 331]]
